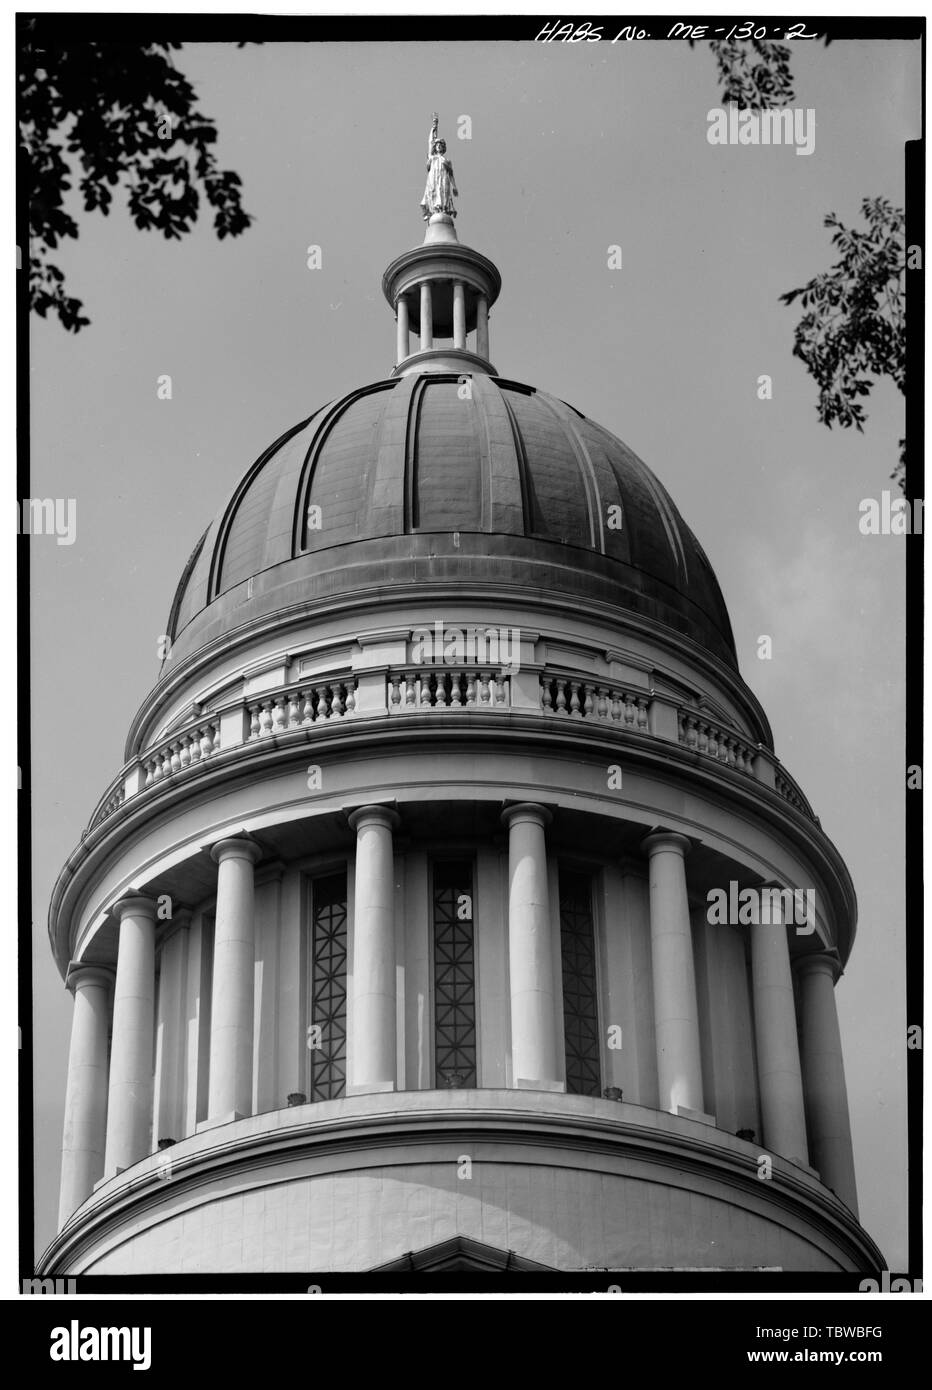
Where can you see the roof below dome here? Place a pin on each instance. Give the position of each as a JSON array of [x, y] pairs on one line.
[[433, 475]]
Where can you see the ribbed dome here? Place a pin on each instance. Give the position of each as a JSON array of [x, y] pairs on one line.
[[432, 477]]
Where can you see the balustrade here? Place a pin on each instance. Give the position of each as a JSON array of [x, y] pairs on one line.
[[112, 802], [301, 707], [709, 738], [790, 792], [186, 750], [457, 689], [581, 699], [417, 688]]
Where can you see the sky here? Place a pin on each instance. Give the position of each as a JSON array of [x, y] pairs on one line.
[[574, 149]]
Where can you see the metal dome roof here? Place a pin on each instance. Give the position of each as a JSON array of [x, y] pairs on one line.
[[433, 476]]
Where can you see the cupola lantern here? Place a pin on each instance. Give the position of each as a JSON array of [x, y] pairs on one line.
[[442, 291]]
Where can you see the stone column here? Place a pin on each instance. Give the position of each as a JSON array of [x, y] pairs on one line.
[[232, 1009], [404, 345], [482, 326], [534, 1061], [676, 1009], [171, 1027], [427, 317], [85, 1130], [459, 314], [374, 1026], [778, 1073], [129, 1105], [823, 1071]]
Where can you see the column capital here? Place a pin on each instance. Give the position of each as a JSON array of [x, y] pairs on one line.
[[236, 847], [526, 811], [365, 816], [665, 839], [135, 905], [819, 963], [272, 871], [179, 921], [80, 973]]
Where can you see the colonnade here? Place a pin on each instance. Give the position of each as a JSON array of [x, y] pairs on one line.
[[108, 1111], [425, 307]]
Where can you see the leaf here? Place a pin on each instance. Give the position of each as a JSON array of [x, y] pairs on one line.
[[98, 107], [854, 332]]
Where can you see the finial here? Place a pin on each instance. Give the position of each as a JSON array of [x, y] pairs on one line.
[[437, 202]]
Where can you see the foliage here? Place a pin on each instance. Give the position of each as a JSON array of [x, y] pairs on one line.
[[854, 327], [119, 117], [754, 73]]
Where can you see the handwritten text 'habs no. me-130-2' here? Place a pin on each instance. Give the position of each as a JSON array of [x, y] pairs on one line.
[[559, 31]]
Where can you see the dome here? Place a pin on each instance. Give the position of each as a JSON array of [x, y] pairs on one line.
[[434, 476]]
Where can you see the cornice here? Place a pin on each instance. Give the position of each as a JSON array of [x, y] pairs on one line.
[[450, 731], [667, 640]]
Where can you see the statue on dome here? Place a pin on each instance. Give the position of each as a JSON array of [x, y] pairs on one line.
[[441, 186]]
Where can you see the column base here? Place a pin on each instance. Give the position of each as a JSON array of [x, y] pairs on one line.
[[213, 1121], [108, 1177], [523, 1084], [699, 1115], [371, 1088]]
